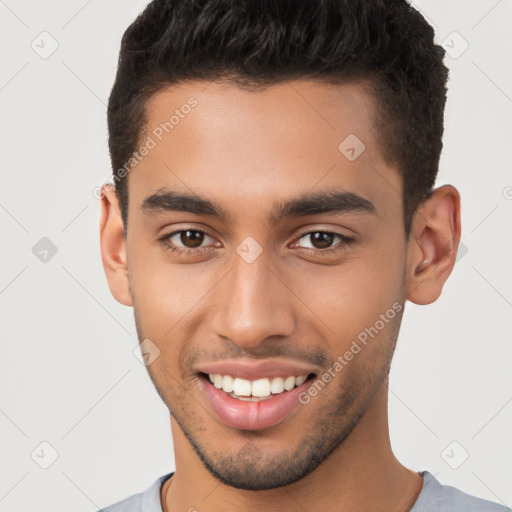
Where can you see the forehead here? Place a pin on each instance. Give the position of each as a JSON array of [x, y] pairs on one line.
[[223, 141], [285, 113]]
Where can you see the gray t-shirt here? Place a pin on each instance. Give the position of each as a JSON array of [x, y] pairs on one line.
[[434, 497]]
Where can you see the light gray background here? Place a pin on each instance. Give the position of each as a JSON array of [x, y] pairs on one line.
[[68, 373]]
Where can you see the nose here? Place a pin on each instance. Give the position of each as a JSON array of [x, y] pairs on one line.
[[252, 304]]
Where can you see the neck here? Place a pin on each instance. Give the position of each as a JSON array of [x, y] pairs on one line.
[[362, 473]]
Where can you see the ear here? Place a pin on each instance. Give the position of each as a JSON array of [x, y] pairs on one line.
[[113, 246], [432, 246]]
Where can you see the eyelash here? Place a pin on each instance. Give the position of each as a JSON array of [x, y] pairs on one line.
[[345, 242]]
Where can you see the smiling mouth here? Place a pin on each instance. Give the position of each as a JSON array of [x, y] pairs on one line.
[[255, 390]]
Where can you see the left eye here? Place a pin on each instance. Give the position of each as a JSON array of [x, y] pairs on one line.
[[322, 239]]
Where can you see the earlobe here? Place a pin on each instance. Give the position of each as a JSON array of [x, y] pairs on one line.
[[433, 244], [113, 246]]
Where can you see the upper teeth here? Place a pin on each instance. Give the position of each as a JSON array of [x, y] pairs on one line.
[[257, 388]]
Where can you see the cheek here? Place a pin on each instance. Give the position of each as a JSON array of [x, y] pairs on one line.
[[352, 297], [165, 293]]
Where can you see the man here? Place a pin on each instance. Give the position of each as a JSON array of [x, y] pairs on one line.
[[273, 211]]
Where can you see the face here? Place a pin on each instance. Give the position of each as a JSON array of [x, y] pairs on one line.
[[286, 257]]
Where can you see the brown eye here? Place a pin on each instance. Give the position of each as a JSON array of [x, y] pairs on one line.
[[191, 238], [319, 239], [323, 242], [186, 240]]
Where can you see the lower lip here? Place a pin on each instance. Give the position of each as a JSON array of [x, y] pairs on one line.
[[248, 415]]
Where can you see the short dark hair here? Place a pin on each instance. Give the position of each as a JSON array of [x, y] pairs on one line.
[[385, 45]]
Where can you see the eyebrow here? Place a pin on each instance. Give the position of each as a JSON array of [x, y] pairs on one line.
[[329, 201]]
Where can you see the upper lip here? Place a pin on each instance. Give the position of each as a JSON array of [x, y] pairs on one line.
[[253, 370]]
